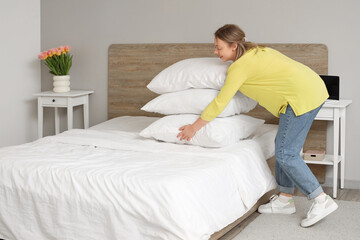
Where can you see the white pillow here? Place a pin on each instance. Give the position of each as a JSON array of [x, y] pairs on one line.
[[191, 73], [218, 133], [194, 101]]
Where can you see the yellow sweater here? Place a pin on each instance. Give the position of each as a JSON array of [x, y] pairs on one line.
[[273, 80]]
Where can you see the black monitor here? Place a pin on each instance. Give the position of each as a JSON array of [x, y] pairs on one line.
[[333, 86]]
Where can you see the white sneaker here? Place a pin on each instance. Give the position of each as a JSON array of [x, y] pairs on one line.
[[276, 206], [318, 211]]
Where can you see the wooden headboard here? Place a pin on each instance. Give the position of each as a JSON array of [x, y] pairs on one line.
[[132, 66]]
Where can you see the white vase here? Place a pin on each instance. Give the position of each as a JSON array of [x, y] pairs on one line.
[[61, 83]]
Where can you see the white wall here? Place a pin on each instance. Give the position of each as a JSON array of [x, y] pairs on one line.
[[91, 26], [20, 70]]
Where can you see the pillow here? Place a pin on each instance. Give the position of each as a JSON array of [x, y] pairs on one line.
[[194, 101], [191, 73], [218, 133]]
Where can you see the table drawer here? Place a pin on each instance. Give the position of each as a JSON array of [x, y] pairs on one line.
[[327, 113], [53, 101]]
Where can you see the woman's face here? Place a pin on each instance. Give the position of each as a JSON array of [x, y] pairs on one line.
[[224, 51]]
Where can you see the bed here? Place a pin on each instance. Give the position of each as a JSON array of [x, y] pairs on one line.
[[107, 182]]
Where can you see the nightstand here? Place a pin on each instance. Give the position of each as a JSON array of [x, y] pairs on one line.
[[67, 100], [335, 111]]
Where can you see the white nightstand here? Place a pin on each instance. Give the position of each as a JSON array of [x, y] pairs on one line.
[[335, 111], [68, 100]]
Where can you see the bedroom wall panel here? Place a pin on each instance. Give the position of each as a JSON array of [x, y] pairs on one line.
[[20, 70]]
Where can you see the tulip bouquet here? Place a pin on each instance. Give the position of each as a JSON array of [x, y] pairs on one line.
[[58, 60]]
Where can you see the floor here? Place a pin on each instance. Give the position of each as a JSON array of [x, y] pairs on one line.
[[342, 194]]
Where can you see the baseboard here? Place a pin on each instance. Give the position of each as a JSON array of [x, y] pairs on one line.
[[349, 184]]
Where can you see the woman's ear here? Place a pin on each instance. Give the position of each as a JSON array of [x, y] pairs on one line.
[[234, 46]]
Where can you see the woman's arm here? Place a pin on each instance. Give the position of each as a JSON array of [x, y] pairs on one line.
[[188, 131], [235, 78]]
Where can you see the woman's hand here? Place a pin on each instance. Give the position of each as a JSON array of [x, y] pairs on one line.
[[188, 131]]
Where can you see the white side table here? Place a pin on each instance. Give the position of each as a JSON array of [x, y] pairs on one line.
[[335, 111], [68, 100]]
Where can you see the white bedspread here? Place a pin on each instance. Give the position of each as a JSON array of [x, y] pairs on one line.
[[96, 184]]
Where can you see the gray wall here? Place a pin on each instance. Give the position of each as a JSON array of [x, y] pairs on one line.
[[20, 70], [91, 26]]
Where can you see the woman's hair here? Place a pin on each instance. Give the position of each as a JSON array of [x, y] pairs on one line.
[[231, 33]]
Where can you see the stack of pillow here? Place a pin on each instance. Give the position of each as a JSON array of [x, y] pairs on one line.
[[186, 88]]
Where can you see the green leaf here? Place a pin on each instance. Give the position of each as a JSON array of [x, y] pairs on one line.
[[49, 63], [59, 65]]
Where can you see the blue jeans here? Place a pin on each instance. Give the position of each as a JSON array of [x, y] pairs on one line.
[[291, 170]]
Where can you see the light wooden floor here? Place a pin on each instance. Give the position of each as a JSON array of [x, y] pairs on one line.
[[342, 194]]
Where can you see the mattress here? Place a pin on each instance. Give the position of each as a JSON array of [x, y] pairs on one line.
[[107, 182]]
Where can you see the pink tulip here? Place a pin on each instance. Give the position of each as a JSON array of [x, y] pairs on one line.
[[50, 53], [67, 48], [43, 56], [62, 49], [58, 52]]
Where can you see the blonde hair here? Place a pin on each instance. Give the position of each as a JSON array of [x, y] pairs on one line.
[[231, 33]]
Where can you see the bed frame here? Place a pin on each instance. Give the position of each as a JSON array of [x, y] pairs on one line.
[[132, 66]]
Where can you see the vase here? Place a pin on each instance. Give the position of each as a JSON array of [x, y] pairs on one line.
[[61, 83]]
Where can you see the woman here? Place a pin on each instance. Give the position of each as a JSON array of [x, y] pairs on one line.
[[290, 91]]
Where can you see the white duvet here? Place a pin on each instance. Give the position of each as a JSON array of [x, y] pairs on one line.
[[101, 183]]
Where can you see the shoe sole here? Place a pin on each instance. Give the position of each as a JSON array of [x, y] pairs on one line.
[[318, 218], [288, 211]]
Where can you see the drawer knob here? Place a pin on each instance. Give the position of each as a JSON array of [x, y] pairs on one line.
[[53, 100]]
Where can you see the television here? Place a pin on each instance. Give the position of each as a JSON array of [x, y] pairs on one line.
[[332, 84]]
